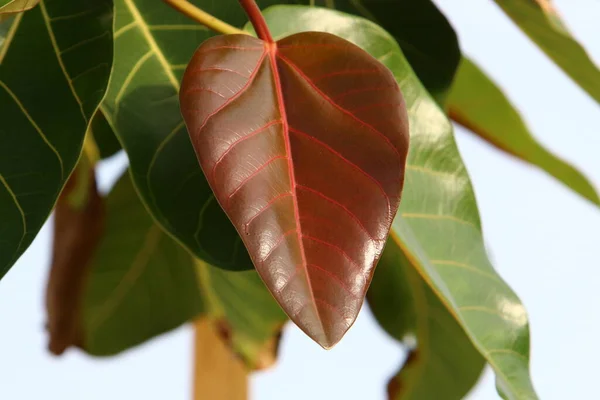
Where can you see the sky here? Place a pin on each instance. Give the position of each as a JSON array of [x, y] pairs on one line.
[[543, 239]]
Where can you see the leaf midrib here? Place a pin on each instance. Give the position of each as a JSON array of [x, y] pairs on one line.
[[272, 50]]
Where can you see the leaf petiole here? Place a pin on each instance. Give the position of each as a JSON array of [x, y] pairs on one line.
[[204, 18], [257, 20]]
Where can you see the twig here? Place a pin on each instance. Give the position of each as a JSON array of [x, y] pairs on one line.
[[204, 18]]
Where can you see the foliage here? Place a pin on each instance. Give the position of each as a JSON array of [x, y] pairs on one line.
[[243, 205]]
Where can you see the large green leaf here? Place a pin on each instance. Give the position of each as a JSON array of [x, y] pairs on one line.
[[55, 62], [15, 6], [424, 34], [409, 310], [438, 225], [143, 283], [540, 21], [479, 105]]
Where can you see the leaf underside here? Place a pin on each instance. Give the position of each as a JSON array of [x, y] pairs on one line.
[[304, 144]]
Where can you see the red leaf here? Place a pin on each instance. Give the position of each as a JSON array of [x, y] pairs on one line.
[[304, 143]]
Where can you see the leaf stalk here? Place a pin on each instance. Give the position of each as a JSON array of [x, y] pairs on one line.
[[257, 19], [204, 18]]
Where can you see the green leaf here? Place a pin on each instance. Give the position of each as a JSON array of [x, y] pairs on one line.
[[411, 313], [434, 56], [438, 225], [540, 21], [141, 282], [55, 62], [16, 6], [105, 138], [153, 44], [480, 106]]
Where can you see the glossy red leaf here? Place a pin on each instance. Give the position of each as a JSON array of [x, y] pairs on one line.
[[304, 143]]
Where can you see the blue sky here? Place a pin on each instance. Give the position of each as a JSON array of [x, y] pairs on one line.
[[544, 241]]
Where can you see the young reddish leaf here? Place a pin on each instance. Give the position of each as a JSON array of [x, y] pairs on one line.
[[304, 143]]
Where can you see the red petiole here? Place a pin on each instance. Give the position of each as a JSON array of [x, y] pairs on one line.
[[257, 20]]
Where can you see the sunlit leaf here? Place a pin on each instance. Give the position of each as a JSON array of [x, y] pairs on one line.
[[438, 226], [480, 106], [304, 146], [55, 62], [442, 362], [16, 6], [541, 22]]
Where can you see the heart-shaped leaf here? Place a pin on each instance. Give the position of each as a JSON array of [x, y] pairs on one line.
[[143, 111], [480, 106], [55, 62], [303, 142], [541, 22], [437, 226]]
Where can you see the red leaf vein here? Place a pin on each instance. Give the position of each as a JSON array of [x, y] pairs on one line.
[[348, 162], [333, 246], [334, 277], [334, 104], [340, 205], [236, 142], [252, 175], [265, 208]]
